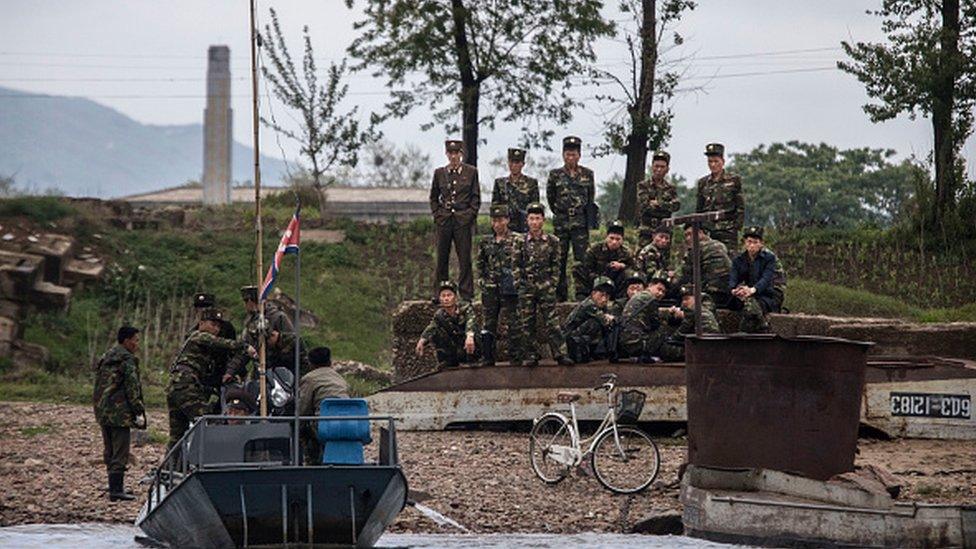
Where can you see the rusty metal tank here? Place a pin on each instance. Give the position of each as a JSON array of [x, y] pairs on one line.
[[765, 401]]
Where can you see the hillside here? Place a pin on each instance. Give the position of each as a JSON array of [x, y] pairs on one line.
[[82, 148]]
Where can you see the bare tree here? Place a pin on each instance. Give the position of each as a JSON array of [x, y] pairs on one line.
[[328, 137]]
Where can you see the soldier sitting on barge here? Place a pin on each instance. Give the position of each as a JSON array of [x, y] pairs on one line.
[[452, 330]]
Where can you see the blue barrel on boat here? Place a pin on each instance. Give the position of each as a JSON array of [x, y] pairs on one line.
[[343, 439], [765, 401]]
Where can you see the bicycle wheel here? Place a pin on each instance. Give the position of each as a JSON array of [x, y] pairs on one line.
[[628, 467], [549, 436]]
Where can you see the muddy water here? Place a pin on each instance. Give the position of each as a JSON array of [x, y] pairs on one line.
[[117, 536]]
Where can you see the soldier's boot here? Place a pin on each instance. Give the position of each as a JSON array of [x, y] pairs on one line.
[[487, 348], [116, 488]]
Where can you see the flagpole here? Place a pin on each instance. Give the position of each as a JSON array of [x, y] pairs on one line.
[[262, 350], [298, 330]]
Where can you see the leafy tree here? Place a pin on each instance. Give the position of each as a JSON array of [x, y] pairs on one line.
[[489, 60], [387, 165], [801, 184], [611, 190], [928, 66], [636, 126], [328, 137]]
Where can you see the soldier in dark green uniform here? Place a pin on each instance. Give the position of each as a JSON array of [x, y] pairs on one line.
[[588, 325], [722, 191], [118, 406], [641, 330], [715, 267], [275, 320], [654, 259], [204, 301], [758, 282], [570, 191], [632, 282], [498, 294], [516, 191], [452, 330], [673, 349], [657, 197], [193, 371], [535, 262], [608, 258], [455, 197]]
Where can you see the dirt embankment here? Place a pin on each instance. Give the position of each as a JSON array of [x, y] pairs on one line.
[[51, 471]]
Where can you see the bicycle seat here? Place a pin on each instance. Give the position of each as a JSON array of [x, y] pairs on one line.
[[566, 398]]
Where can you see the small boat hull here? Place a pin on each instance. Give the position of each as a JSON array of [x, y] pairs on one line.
[[314, 505]]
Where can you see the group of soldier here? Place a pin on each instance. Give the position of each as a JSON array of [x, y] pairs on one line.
[[632, 306], [212, 361]]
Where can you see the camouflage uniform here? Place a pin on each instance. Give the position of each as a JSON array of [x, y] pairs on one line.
[[535, 262], [447, 333], [118, 404], [666, 196], [723, 194], [596, 262], [568, 196], [674, 348], [715, 268], [276, 321], [764, 273], [192, 376], [652, 261], [282, 355], [517, 194], [498, 294], [641, 331], [585, 331]]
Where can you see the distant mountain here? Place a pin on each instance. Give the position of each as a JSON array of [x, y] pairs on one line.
[[82, 148]]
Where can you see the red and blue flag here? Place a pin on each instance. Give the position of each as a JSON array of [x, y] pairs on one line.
[[288, 245]]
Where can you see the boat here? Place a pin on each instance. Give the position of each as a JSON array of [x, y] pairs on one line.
[[239, 481], [903, 395]]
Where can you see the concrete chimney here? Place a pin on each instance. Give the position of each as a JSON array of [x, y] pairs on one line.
[[217, 128]]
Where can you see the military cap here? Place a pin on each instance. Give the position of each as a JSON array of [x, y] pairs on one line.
[[125, 332], [215, 315], [572, 143], [632, 277], [603, 284], [516, 155], [687, 289], [499, 210], [202, 300], [249, 293], [754, 232], [239, 399], [615, 227], [320, 356], [447, 285], [454, 145], [661, 155], [536, 208], [659, 276], [715, 149]]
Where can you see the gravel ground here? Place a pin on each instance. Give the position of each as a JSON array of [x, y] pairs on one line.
[[51, 471]]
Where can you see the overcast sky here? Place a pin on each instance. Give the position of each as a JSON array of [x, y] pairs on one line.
[[147, 59]]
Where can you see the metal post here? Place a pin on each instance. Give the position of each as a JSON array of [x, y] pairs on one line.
[[696, 275], [255, 121], [298, 338]]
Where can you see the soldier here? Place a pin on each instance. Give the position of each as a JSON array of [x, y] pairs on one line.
[[722, 191], [204, 301], [641, 331], [655, 258], [673, 349], [275, 320], [657, 197], [452, 330], [118, 406], [498, 294], [588, 324], [633, 282], [319, 383], [570, 191], [516, 191], [608, 258], [535, 263], [715, 267], [758, 283], [455, 197], [280, 352], [190, 385]]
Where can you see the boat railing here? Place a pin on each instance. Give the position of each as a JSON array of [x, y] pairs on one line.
[[191, 452]]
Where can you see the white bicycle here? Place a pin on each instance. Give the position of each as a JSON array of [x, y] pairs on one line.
[[624, 459]]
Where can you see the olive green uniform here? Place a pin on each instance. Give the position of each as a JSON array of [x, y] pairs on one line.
[[715, 268], [535, 263], [118, 405], [568, 195], [447, 332], [641, 330], [317, 385], [596, 262], [585, 331], [674, 348], [516, 193], [723, 193], [658, 200], [498, 293], [652, 261]]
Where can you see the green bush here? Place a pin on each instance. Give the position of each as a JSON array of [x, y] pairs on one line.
[[40, 209]]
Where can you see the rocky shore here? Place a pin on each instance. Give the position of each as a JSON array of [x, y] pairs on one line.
[[51, 472]]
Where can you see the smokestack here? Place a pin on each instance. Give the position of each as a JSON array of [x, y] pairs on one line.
[[217, 128]]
